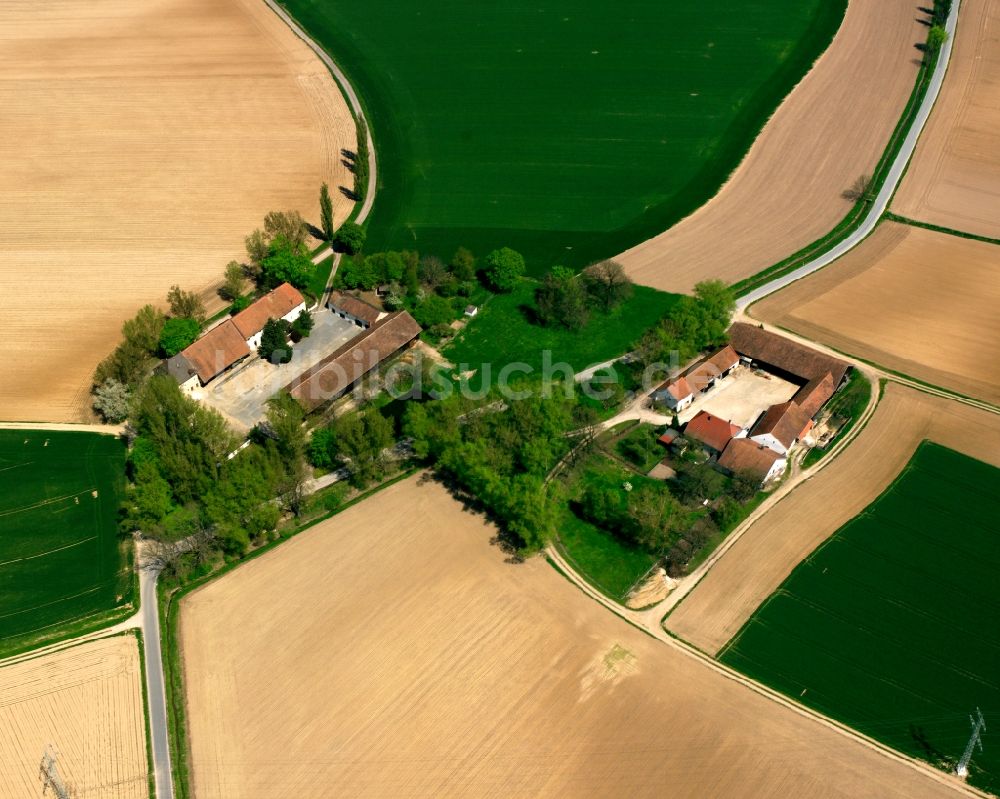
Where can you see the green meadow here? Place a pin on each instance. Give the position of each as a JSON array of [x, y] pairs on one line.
[[567, 130], [891, 626], [60, 557]]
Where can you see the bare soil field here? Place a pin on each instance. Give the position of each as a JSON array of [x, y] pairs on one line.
[[768, 551], [86, 702], [391, 651], [913, 300], [954, 177], [831, 129], [139, 144]]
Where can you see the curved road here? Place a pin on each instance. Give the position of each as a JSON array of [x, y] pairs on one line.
[[355, 103], [881, 202]]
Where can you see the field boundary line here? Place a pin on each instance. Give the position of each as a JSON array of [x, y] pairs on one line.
[[358, 215], [690, 651], [880, 203]]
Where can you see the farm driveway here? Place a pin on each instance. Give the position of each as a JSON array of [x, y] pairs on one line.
[[242, 397]]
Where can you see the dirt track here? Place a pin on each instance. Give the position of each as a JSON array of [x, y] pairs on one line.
[[767, 552], [787, 192], [954, 178], [392, 652], [912, 300], [86, 701], [139, 143]]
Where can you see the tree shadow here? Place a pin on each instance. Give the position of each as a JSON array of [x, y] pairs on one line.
[[314, 231], [507, 542], [530, 314], [353, 156], [349, 193]]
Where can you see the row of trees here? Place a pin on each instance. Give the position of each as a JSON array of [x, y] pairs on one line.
[[693, 324], [147, 336]]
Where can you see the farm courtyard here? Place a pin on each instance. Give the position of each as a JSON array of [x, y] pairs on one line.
[[741, 397]]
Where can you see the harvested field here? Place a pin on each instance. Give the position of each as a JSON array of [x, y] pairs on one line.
[[831, 129], [912, 300], [86, 702], [139, 144], [764, 556], [954, 177], [390, 651]]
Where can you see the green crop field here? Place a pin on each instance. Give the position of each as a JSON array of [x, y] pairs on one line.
[[891, 626], [568, 130], [60, 557]]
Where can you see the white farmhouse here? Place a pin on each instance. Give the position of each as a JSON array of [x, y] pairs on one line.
[[284, 302], [781, 427]]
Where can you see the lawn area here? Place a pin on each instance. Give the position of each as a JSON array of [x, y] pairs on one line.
[[641, 447], [891, 625], [568, 131], [60, 557], [321, 273], [606, 561], [503, 332], [609, 562], [848, 403]]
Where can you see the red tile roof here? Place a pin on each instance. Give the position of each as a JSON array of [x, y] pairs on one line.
[[711, 430], [814, 394], [702, 373], [339, 370], [744, 455], [786, 422], [273, 305], [217, 350]]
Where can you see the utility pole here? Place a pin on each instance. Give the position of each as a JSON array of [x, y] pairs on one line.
[[49, 775], [978, 725]]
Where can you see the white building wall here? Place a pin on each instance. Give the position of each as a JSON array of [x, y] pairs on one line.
[[776, 470], [254, 341], [769, 441]]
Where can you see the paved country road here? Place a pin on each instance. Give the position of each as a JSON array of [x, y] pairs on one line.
[[155, 690], [881, 202]]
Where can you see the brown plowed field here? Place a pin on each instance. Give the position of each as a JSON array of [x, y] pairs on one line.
[[913, 300], [391, 652], [787, 192], [954, 177], [86, 702], [139, 143], [768, 551]]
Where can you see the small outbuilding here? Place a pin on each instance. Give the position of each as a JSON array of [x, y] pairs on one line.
[[354, 309], [471, 310]]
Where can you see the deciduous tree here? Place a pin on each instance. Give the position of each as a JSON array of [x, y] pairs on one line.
[[274, 345], [608, 283], [186, 304], [178, 332], [504, 268]]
